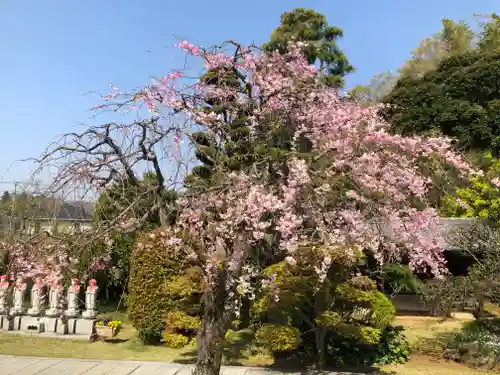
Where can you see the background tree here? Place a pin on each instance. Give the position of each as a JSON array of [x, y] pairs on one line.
[[320, 43], [119, 155], [489, 39], [480, 198], [379, 87], [468, 111], [454, 39], [5, 197]]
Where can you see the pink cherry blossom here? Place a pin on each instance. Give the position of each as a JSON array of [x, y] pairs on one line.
[[360, 196]]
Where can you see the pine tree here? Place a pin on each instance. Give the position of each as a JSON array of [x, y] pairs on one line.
[[311, 28]]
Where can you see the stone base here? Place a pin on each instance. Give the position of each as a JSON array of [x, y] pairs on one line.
[[17, 312], [6, 324], [17, 323], [34, 312], [85, 327], [53, 313], [50, 324], [71, 313], [61, 329], [89, 314], [32, 324], [72, 326]]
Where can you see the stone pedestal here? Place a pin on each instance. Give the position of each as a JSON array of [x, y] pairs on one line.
[[72, 326], [50, 324], [89, 314], [61, 328], [32, 324], [85, 327], [17, 322], [34, 311], [6, 324], [53, 313]]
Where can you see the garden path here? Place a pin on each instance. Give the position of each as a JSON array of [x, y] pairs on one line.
[[16, 365]]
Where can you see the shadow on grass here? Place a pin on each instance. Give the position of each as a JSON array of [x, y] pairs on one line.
[[241, 351], [116, 340]]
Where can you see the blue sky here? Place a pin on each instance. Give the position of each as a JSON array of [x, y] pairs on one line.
[[52, 52]]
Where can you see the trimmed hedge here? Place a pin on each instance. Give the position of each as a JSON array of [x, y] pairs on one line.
[[161, 280]]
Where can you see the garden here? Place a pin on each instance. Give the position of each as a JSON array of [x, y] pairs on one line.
[[289, 217]]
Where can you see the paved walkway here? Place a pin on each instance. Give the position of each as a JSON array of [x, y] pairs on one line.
[[13, 365]]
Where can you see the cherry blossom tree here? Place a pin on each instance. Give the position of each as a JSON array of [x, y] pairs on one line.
[[343, 183]]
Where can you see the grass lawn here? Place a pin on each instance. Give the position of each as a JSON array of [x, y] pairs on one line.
[[128, 348], [423, 365], [418, 328]]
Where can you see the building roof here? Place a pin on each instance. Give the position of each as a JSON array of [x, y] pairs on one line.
[[66, 211]]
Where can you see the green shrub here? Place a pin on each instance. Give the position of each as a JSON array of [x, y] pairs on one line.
[[344, 314], [155, 274], [393, 347], [398, 278], [277, 338], [389, 347], [175, 340], [180, 320]]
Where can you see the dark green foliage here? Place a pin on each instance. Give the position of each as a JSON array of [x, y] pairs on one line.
[[310, 27], [233, 148], [460, 99], [5, 197], [398, 278], [136, 197], [161, 280], [392, 348]]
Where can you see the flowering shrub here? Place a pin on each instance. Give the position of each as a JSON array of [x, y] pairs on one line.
[[53, 259]]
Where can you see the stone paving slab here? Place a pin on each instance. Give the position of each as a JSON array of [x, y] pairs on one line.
[[15, 365], [50, 335]]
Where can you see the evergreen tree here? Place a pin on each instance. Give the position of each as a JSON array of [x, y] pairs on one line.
[[311, 28], [460, 100], [5, 197]]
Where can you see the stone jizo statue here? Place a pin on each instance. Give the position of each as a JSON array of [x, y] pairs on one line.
[[72, 298], [36, 297], [90, 300], [4, 286], [54, 300], [19, 292]]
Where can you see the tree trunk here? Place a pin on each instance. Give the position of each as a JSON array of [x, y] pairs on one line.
[[319, 333], [479, 310], [212, 331]]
